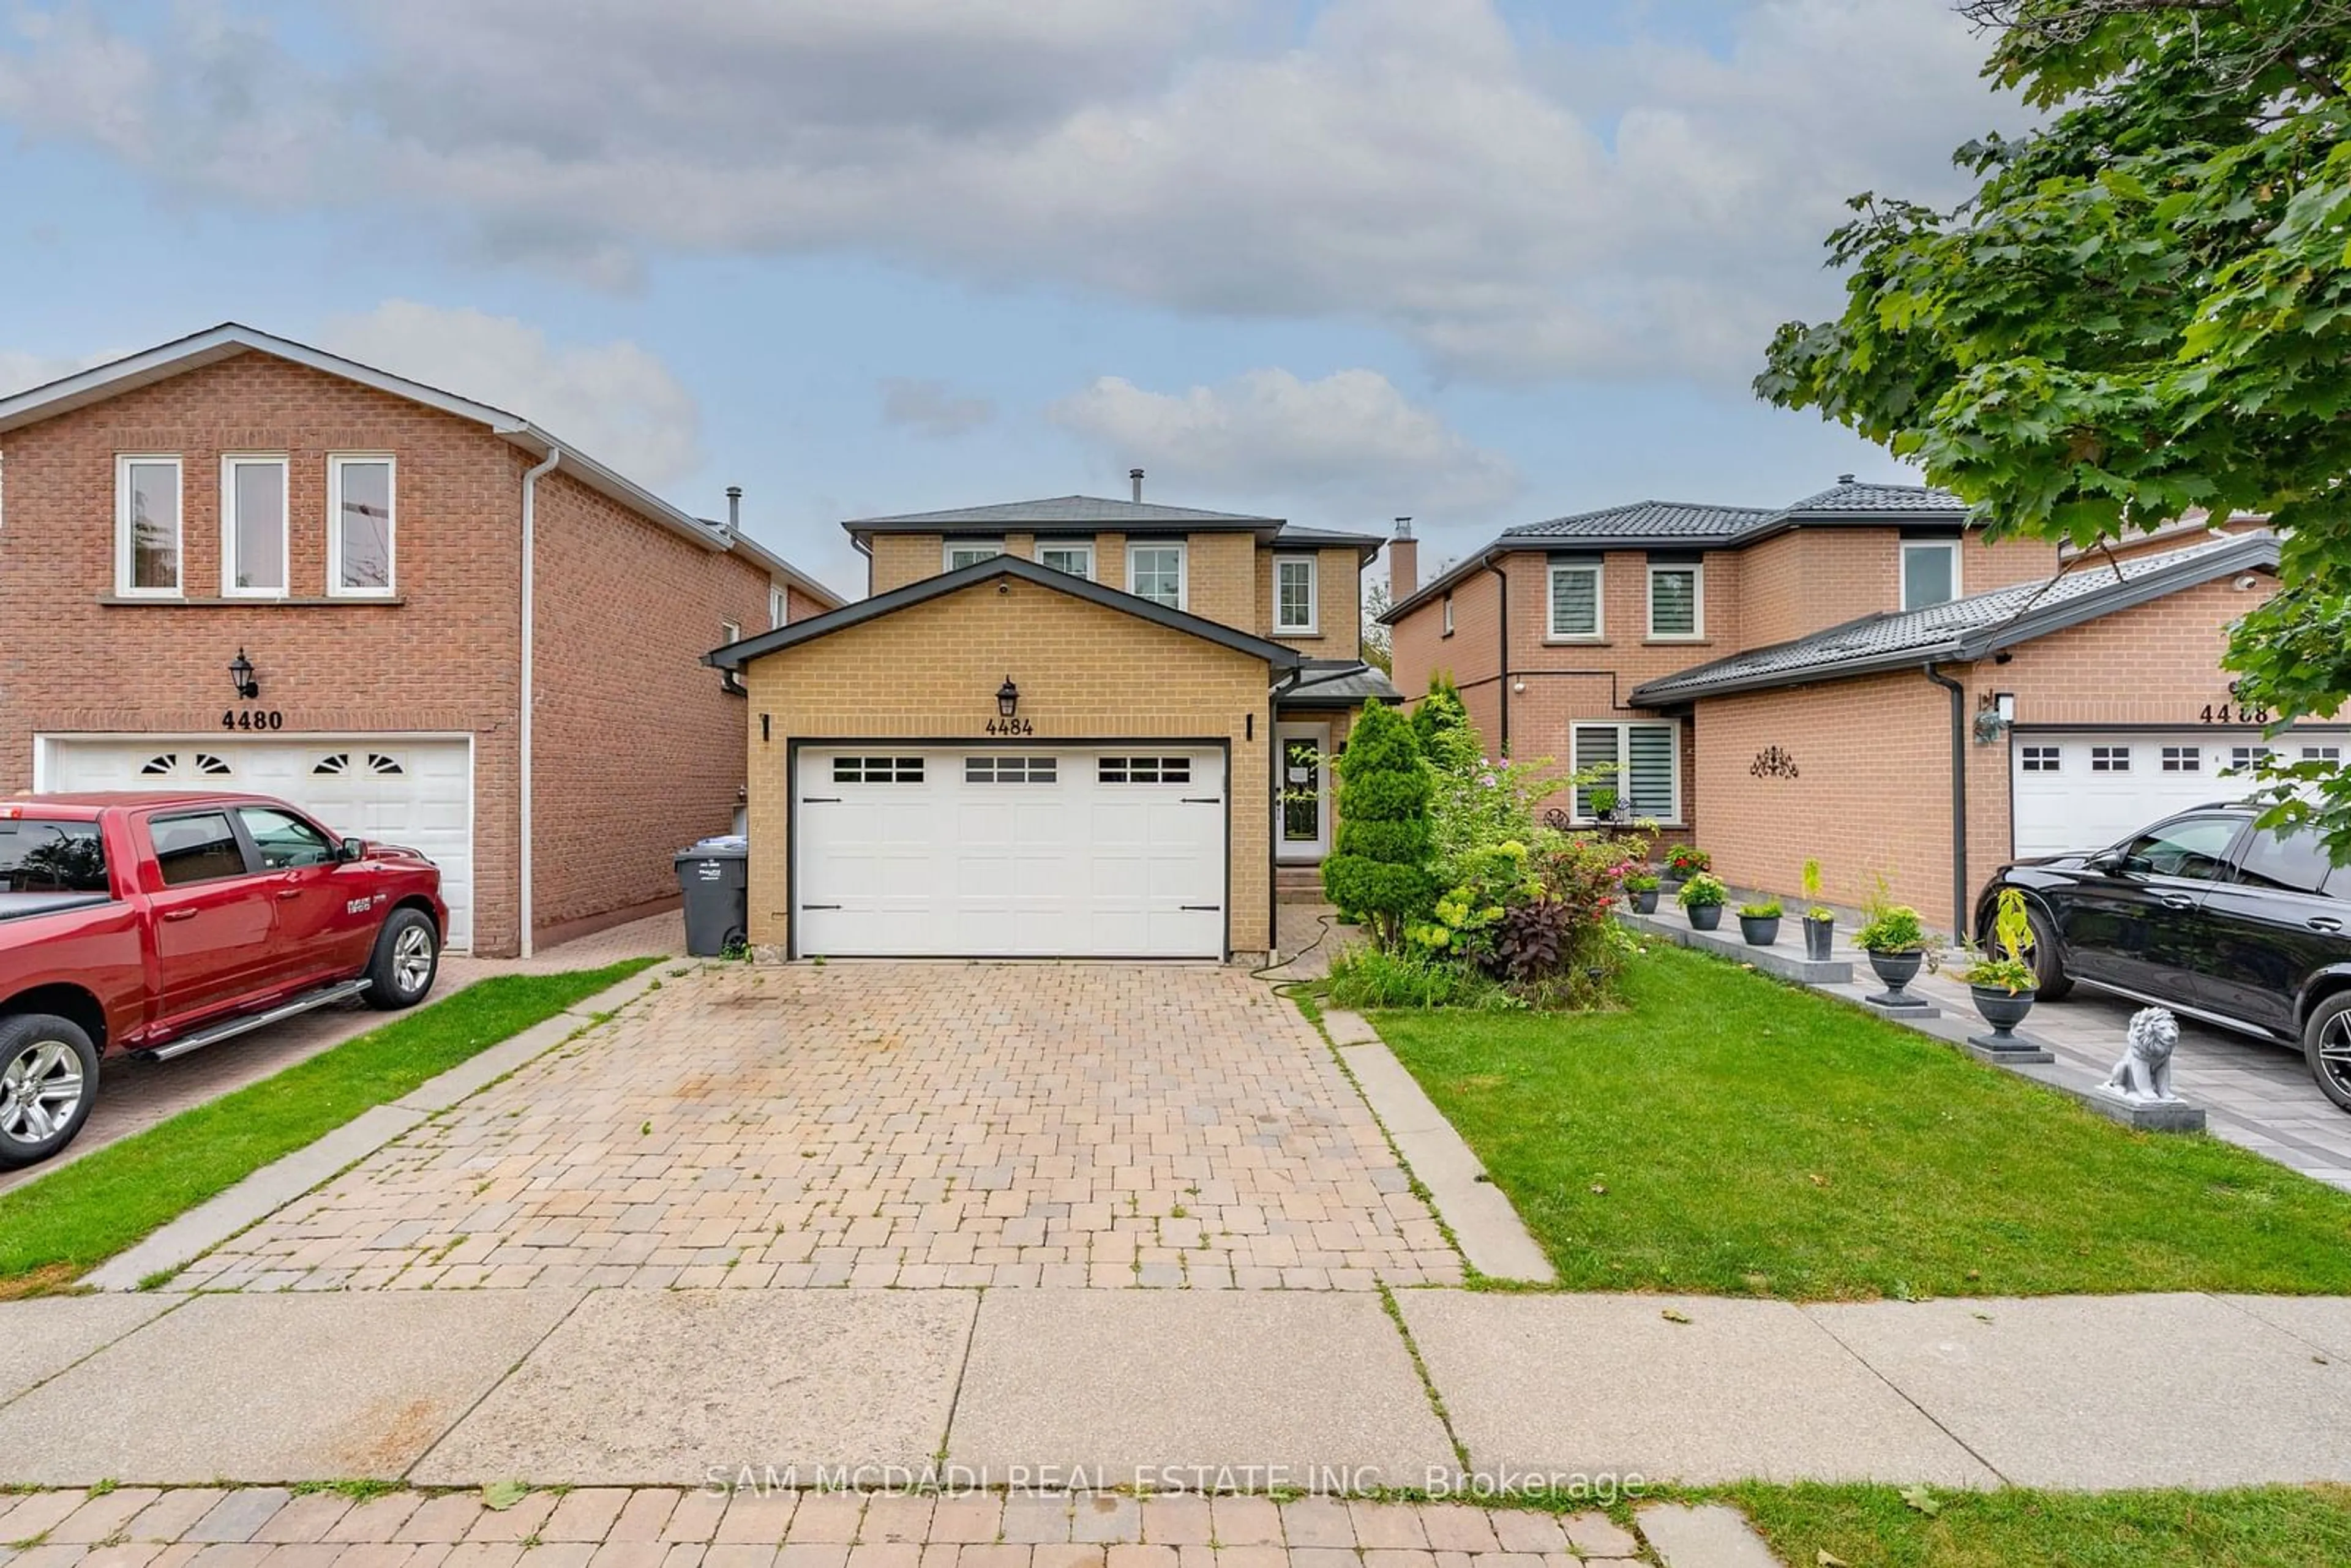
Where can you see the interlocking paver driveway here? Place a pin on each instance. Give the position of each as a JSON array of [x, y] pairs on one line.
[[914, 1124]]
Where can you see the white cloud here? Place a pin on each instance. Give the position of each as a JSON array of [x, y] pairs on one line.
[[1350, 443], [1516, 205], [932, 408], [616, 402]]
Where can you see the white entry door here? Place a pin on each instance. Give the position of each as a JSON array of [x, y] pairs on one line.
[[1301, 803], [1009, 851], [2085, 789], [415, 792]]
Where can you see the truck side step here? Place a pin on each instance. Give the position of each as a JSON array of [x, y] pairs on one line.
[[341, 990]]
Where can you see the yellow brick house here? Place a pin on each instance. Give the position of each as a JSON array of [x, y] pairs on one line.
[[1055, 728]]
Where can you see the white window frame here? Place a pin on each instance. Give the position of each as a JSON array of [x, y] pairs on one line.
[[336, 461], [1697, 601], [1449, 615], [230, 462], [123, 462], [1068, 547], [1312, 626], [978, 549], [1551, 633], [1620, 782], [1951, 547], [779, 606], [1183, 567]]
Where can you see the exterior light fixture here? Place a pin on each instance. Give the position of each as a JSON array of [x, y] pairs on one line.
[[1993, 716], [1008, 697], [240, 675]]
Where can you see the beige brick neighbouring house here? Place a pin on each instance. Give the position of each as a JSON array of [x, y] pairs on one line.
[[1061, 728], [360, 540], [1859, 678]]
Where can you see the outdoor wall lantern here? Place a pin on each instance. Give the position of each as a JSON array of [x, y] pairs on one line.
[[240, 675], [1993, 716], [1008, 697]]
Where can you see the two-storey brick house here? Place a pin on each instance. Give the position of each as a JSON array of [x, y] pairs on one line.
[[1056, 728], [236, 561], [1860, 678]]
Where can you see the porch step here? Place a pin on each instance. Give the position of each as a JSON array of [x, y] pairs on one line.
[[1293, 882]]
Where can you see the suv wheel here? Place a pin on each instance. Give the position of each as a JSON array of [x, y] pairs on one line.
[[49, 1080], [2326, 1042], [407, 957], [2050, 980]]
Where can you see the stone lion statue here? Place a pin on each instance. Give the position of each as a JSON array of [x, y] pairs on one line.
[[2145, 1070]]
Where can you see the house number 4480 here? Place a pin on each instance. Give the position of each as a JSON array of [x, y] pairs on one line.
[[252, 718]]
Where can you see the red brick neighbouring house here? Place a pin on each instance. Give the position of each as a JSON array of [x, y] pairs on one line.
[[360, 540], [1859, 678]]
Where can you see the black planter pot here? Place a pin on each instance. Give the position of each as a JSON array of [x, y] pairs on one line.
[[1817, 933], [1644, 900], [1896, 970], [2003, 1011], [1760, 930], [1705, 916]]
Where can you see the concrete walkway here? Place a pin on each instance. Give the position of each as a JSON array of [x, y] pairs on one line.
[[1316, 1391]]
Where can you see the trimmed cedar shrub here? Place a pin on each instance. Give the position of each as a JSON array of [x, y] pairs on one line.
[[1380, 872]]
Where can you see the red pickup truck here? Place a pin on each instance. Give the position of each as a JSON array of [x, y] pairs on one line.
[[156, 925]]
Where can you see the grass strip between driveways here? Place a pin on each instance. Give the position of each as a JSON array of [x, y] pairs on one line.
[[82, 1214], [1726, 1134], [1874, 1527]]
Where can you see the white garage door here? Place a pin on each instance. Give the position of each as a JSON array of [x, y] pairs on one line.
[[418, 792], [1009, 853], [2090, 788]]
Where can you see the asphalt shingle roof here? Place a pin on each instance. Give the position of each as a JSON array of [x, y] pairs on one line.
[[1336, 683], [1645, 519], [1964, 628], [1067, 511]]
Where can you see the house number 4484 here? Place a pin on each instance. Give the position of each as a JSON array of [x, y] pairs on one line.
[[252, 718]]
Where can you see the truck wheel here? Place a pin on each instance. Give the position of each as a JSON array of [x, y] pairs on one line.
[[49, 1080], [2326, 1042], [407, 957]]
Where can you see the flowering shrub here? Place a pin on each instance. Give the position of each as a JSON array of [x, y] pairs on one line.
[[1684, 862]]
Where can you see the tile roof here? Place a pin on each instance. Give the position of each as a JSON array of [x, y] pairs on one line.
[[1965, 629], [1335, 683], [1064, 511], [1645, 519], [1847, 497]]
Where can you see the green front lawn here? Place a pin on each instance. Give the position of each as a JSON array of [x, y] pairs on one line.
[[1872, 1527], [1727, 1133], [79, 1215]]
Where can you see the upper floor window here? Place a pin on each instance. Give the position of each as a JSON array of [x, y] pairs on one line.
[[360, 527], [1294, 608], [252, 527], [1930, 572], [1678, 600], [1156, 571], [778, 607], [1077, 559], [1576, 599], [1449, 615], [146, 527], [971, 552]]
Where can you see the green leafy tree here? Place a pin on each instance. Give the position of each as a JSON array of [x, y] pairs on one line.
[[2143, 309], [1441, 722], [1379, 642], [1380, 872]]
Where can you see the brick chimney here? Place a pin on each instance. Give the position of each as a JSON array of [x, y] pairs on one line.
[[1403, 562]]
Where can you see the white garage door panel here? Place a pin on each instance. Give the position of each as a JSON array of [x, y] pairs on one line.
[[415, 792], [951, 867], [2085, 789]]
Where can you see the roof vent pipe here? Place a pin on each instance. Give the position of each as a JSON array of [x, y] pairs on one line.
[[733, 508], [1134, 478], [1845, 478]]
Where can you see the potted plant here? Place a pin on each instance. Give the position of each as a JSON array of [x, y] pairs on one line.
[[1603, 803], [1684, 862], [1898, 942], [1820, 920], [1759, 922], [2001, 980], [1641, 887], [1701, 898]]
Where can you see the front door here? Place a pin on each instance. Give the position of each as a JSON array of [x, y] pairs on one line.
[[1302, 812]]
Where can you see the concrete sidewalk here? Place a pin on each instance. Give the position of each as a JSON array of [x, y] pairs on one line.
[[1265, 1390]]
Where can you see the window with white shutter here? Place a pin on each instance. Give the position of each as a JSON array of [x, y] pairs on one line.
[[1575, 598], [1646, 758]]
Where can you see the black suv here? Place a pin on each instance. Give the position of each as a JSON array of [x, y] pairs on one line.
[[2207, 914]]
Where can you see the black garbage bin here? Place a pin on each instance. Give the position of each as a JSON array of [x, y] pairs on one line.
[[712, 876]]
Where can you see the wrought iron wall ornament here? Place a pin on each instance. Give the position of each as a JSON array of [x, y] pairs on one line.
[[1773, 762]]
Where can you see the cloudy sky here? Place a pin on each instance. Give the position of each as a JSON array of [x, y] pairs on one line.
[[1477, 261]]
